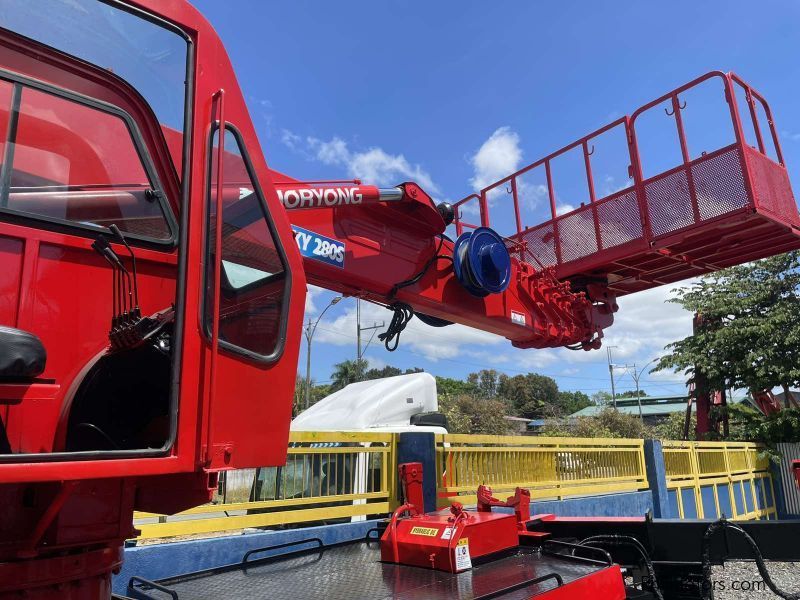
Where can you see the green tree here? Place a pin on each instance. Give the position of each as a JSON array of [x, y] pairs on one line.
[[749, 333], [449, 387], [486, 382], [469, 414], [631, 394], [672, 427], [388, 371], [347, 372], [609, 423], [601, 398], [318, 392], [529, 394], [571, 402]]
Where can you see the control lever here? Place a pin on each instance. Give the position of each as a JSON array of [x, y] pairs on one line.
[[128, 328], [115, 230]]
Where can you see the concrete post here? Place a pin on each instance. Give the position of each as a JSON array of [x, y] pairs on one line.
[[420, 447]]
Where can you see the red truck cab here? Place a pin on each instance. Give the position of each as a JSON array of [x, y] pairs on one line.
[[144, 342]]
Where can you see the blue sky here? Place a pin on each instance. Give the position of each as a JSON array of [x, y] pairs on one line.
[[457, 94]]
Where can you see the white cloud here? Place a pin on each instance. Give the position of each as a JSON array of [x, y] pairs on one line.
[[373, 166], [497, 157], [791, 135], [644, 324], [291, 140], [563, 209], [432, 343], [375, 363], [312, 293]]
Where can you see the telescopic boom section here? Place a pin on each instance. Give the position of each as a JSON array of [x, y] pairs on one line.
[[714, 208]]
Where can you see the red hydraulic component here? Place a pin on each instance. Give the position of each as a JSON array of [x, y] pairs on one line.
[[411, 483], [333, 194], [520, 502], [390, 252]]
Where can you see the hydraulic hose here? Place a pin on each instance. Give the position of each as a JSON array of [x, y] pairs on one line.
[[708, 588]]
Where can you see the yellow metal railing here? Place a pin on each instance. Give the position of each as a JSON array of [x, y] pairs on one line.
[[733, 477], [328, 476], [548, 467], [334, 476]]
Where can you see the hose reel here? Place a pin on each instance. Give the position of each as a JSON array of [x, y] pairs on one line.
[[481, 262]]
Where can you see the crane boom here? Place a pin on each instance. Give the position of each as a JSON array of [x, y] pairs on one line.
[[723, 207]]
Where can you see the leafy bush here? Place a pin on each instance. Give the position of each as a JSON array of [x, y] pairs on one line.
[[608, 423]]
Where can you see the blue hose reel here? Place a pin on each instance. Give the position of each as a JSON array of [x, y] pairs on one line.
[[481, 262]]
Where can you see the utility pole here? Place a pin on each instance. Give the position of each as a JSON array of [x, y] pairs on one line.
[[611, 374], [309, 331], [638, 396], [636, 376], [359, 329]]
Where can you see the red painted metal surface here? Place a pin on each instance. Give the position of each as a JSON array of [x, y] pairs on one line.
[[410, 477], [431, 540], [64, 521], [520, 502], [324, 195], [725, 206], [391, 242], [606, 584]]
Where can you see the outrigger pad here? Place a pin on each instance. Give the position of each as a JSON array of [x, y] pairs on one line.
[[22, 354]]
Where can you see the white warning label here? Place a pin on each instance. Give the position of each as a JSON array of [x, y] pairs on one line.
[[518, 318], [463, 561]]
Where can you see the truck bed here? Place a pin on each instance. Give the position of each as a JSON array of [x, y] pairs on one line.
[[353, 571]]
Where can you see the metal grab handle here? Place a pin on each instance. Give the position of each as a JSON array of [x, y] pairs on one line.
[[142, 595], [522, 585], [599, 551], [320, 546], [368, 538]]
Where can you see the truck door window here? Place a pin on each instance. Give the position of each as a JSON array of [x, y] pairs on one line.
[[75, 162], [142, 51], [253, 273]]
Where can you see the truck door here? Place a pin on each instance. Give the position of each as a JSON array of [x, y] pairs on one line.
[[245, 313]]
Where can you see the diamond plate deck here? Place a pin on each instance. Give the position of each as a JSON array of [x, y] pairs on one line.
[[354, 572]]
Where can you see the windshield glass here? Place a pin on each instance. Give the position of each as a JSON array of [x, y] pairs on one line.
[[150, 57]]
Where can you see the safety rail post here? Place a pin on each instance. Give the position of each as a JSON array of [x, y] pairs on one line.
[[552, 195], [741, 143], [515, 194], [676, 111], [587, 161], [484, 210], [657, 478]]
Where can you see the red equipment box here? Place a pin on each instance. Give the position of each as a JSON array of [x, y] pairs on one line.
[[448, 541]]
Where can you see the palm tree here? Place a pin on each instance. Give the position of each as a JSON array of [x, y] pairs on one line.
[[347, 372]]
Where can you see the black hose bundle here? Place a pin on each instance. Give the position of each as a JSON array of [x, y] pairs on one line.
[[631, 542], [707, 586], [403, 313]]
